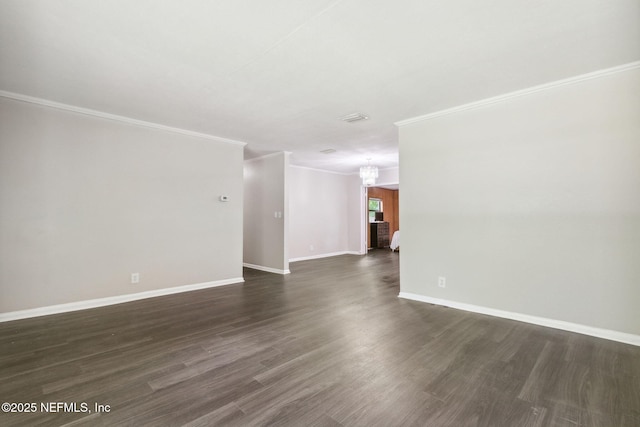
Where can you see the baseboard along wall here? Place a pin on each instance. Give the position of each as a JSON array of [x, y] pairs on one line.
[[119, 299], [267, 269], [327, 255], [541, 321]]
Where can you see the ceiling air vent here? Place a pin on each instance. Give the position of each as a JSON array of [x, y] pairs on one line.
[[355, 117]]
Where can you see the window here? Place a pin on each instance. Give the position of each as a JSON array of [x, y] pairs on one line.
[[375, 205]]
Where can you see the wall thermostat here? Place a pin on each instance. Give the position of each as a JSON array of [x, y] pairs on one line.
[[224, 198]]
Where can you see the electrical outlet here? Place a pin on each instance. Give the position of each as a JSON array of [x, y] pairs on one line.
[[135, 277], [311, 248], [442, 282]]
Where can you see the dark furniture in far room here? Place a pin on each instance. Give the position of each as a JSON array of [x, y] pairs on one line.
[[379, 232]]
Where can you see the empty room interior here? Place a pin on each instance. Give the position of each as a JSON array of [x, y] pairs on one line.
[[201, 201]]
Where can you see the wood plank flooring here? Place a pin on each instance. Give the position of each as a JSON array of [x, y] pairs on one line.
[[330, 344]]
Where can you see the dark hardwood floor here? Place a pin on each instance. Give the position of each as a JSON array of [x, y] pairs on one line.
[[330, 344]]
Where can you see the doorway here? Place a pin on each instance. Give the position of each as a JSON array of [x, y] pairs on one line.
[[382, 215]]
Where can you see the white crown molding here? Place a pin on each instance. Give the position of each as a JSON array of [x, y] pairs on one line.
[[115, 117], [541, 321], [523, 92], [267, 269], [266, 156], [101, 302]]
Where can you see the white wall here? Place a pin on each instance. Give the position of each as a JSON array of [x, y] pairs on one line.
[[530, 204], [358, 216], [266, 193], [388, 176], [86, 201], [323, 210]]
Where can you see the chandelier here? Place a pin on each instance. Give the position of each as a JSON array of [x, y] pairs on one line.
[[368, 174]]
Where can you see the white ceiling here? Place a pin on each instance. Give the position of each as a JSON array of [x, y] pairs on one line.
[[279, 74]]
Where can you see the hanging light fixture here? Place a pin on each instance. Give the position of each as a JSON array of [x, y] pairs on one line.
[[368, 174]]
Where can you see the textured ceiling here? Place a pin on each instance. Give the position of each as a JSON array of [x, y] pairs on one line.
[[279, 74]]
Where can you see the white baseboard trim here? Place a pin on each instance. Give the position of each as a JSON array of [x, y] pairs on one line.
[[542, 321], [267, 269], [327, 255], [119, 299]]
